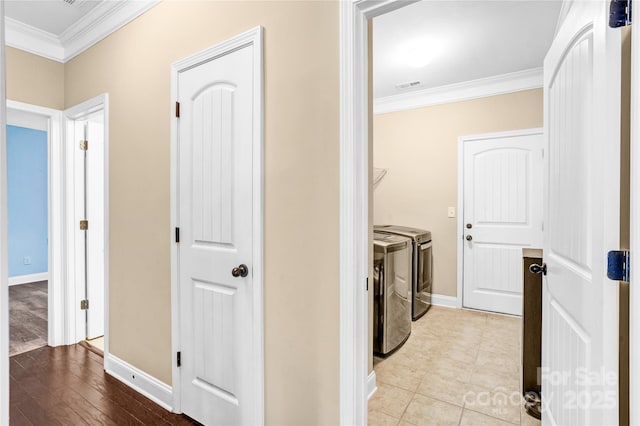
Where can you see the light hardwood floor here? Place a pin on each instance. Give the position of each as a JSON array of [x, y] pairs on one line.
[[459, 367]]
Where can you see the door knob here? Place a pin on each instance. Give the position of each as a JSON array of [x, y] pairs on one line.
[[469, 238], [538, 269], [240, 271]]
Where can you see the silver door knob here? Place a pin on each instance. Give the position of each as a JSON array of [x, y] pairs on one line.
[[240, 271], [469, 238]]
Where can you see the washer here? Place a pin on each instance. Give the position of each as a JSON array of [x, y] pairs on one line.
[[422, 265]]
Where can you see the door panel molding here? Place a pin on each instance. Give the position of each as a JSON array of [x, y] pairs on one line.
[[253, 38]]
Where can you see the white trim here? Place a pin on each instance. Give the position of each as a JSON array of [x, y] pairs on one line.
[[75, 324], [99, 23], [371, 385], [33, 40], [446, 301], [354, 216], [4, 263], [480, 88], [251, 37], [26, 279], [143, 383], [634, 300], [57, 249], [460, 227]]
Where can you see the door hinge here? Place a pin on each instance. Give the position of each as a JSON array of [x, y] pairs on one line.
[[84, 145], [619, 13], [178, 360], [367, 284], [84, 225], [618, 265], [177, 109], [177, 235], [84, 304]]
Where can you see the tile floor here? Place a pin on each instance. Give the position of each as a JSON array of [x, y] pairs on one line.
[[459, 367]]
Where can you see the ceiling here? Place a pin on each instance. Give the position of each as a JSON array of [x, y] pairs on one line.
[[62, 29], [52, 16], [440, 43]]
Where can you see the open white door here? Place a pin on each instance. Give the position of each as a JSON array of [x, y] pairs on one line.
[[502, 215], [582, 169], [219, 182], [96, 233], [87, 198]]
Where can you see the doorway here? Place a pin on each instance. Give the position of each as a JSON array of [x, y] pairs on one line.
[[44, 290], [354, 152], [28, 141], [86, 140]]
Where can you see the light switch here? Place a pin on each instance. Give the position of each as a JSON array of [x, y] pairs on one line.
[[27, 260], [451, 212]]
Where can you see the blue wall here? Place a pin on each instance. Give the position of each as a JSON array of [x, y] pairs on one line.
[[28, 201]]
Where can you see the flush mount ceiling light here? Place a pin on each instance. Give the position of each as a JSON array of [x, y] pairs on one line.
[[418, 53]]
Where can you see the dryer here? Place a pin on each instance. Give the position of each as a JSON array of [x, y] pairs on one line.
[[392, 292], [422, 265]]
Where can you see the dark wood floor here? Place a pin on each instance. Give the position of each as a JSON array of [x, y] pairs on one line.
[[27, 317], [66, 385]]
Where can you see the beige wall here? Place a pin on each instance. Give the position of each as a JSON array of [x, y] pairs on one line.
[[34, 80], [419, 147], [301, 187]]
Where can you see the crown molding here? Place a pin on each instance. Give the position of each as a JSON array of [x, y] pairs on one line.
[[33, 40], [99, 23], [473, 89]]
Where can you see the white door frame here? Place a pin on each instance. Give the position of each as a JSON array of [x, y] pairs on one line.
[[4, 264], [251, 37], [634, 300], [75, 330], [57, 272], [460, 231], [354, 216]]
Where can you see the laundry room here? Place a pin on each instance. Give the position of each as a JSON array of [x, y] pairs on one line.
[[456, 157]]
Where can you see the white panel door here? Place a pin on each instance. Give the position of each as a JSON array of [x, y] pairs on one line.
[[215, 215], [502, 215], [95, 234], [582, 169]]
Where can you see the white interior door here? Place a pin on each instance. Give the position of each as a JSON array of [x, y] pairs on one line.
[[582, 169], [96, 232], [89, 184], [217, 337], [502, 215]]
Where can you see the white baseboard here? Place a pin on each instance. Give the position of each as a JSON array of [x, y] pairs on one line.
[[152, 388], [26, 279], [441, 300], [371, 385]]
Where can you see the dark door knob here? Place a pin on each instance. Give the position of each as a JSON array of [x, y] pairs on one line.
[[538, 269], [469, 238], [240, 271]]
